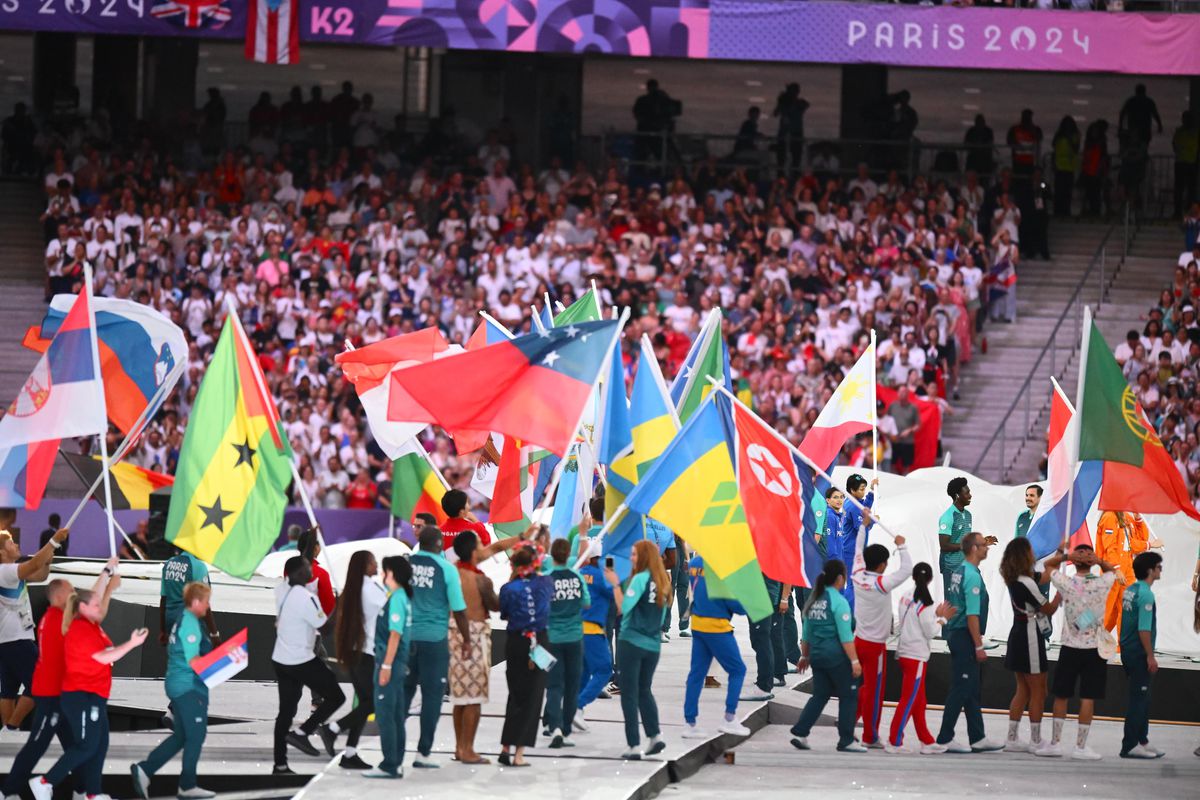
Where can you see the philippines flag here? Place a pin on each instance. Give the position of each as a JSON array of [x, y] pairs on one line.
[[223, 662], [1046, 530], [273, 31]]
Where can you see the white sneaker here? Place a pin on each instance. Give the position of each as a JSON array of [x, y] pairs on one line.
[[734, 728], [40, 789], [556, 740], [196, 793], [376, 772], [632, 754], [1158, 753], [1049, 750], [578, 724], [854, 747], [934, 749], [987, 746], [1014, 746], [566, 742], [694, 732], [893, 750], [75, 795], [1136, 752], [876, 745], [756, 696], [141, 782], [425, 762], [655, 746], [955, 746], [800, 743], [1085, 753]]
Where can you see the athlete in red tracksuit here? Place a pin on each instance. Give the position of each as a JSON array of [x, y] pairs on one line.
[[873, 616]]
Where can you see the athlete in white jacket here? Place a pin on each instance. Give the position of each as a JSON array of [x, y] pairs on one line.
[[920, 622]]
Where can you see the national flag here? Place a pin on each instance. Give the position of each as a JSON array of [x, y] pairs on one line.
[[1139, 474], [614, 433], [488, 331], [416, 484], [24, 472], [929, 426], [131, 484], [532, 388], [272, 31], [368, 369], [849, 412], [63, 397], [708, 358], [770, 489], [193, 14], [513, 496], [1046, 531], [574, 489], [693, 490], [585, 309], [652, 426], [223, 661], [234, 466], [142, 356]]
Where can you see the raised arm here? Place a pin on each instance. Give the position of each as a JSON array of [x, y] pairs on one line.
[[113, 654], [37, 568]]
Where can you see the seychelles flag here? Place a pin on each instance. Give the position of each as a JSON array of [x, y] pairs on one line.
[[223, 662], [533, 388]]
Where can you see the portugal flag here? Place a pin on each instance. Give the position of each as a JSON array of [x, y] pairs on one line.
[[230, 485], [1139, 473]]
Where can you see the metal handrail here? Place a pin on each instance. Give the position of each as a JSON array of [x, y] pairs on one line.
[[1024, 395]]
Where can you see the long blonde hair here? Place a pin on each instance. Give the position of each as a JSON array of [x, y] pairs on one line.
[[71, 609], [649, 559]]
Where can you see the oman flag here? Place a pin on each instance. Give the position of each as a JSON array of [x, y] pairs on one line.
[[1139, 473], [849, 412]]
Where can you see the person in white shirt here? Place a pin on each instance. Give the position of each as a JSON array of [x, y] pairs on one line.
[[1084, 596], [873, 614], [298, 619], [920, 622]]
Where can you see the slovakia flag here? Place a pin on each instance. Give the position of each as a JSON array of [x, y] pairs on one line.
[[273, 31], [223, 662]]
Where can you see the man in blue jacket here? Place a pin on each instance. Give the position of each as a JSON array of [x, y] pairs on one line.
[[712, 637]]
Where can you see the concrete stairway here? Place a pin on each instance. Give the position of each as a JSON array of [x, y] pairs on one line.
[[989, 385]]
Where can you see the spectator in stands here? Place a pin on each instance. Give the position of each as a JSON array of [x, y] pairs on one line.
[[1066, 144]]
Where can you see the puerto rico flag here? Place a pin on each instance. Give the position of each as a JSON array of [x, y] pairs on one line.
[[223, 662], [193, 13], [273, 31]]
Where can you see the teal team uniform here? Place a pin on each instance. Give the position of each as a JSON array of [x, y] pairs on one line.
[[437, 592], [965, 591], [955, 524], [177, 572], [390, 705], [189, 699], [565, 642], [1139, 613], [828, 625], [638, 646]]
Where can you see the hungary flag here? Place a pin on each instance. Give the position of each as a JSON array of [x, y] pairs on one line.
[[231, 483], [416, 484], [1139, 473]]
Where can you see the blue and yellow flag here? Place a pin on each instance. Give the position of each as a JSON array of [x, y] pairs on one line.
[[692, 489]]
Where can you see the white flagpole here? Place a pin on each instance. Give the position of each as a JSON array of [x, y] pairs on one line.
[[496, 322], [874, 415], [596, 297], [1085, 335], [537, 320], [104, 463]]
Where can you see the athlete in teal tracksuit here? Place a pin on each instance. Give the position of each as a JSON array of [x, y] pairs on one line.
[[393, 628], [1139, 628], [565, 634], [712, 637], [638, 646]]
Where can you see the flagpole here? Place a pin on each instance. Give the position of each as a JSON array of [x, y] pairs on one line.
[[104, 463], [537, 320], [874, 416], [849, 497], [1084, 336], [496, 322], [596, 297], [120, 530]]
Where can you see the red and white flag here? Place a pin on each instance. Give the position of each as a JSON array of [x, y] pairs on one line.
[[273, 31]]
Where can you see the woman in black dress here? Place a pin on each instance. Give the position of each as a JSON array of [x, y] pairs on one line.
[[1026, 654]]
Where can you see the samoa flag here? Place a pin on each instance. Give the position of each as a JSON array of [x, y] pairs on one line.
[[223, 662], [142, 355]]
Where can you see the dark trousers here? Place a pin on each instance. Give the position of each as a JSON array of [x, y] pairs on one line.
[[86, 714], [963, 696], [764, 654], [428, 664], [836, 681], [363, 679], [526, 688], [679, 579], [390, 711], [291, 680], [1064, 190], [1137, 709], [562, 685], [48, 722], [190, 728], [791, 629], [637, 695], [611, 629], [1185, 186]]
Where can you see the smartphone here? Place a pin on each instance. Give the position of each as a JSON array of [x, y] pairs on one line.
[[608, 562]]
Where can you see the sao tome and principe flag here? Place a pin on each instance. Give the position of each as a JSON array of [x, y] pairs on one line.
[[1139, 473], [234, 469], [693, 490], [416, 485]]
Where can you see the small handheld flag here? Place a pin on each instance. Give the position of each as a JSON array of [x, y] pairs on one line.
[[223, 662]]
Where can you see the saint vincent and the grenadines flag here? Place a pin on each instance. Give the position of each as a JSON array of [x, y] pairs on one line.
[[1139, 473], [234, 467], [532, 388]]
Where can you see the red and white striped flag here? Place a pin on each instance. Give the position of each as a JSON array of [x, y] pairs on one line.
[[273, 31]]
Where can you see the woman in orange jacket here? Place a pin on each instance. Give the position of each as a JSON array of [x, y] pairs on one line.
[[1119, 537]]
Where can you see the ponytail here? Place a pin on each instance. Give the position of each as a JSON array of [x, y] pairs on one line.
[[833, 569], [71, 609], [922, 574]]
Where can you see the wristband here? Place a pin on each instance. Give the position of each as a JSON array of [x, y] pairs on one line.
[[385, 666], [56, 545], [855, 661], [981, 647]]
